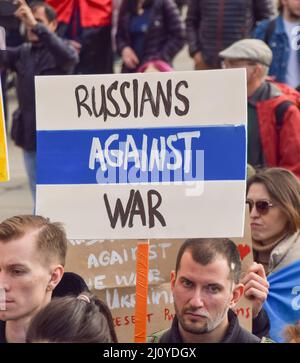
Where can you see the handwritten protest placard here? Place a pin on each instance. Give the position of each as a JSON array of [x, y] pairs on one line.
[[108, 267], [143, 155]]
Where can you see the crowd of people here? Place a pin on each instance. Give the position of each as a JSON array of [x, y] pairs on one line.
[[42, 303], [74, 37]]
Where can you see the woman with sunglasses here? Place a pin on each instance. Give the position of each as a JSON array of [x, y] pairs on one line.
[[273, 196]]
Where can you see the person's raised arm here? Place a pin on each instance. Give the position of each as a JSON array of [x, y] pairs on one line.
[[256, 287], [65, 55]]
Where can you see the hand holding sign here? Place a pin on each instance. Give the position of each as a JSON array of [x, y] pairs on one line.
[[256, 286]]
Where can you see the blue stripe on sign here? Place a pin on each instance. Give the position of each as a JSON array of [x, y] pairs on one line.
[[73, 156]]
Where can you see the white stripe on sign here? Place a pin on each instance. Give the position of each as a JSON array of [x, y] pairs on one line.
[[212, 209]]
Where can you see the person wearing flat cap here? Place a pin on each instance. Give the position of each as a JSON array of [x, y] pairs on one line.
[[273, 119]]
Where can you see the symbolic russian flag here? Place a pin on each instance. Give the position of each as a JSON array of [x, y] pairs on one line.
[[143, 156]]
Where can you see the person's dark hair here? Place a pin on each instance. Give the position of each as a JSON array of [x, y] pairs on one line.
[[70, 284], [70, 319], [280, 7], [103, 308], [50, 236], [205, 251], [49, 11], [284, 189]]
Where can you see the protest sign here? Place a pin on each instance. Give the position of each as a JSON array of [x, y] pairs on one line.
[[143, 155], [108, 267]]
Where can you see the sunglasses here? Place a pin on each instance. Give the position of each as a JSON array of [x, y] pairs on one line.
[[262, 206]]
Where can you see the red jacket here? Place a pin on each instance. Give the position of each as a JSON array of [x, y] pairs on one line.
[[92, 12], [280, 148]]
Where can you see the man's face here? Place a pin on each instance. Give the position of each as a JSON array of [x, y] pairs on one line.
[[24, 276], [40, 16], [241, 63], [202, 294], [292, 8]]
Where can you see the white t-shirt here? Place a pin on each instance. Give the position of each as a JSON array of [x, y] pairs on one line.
[[293, 68], [2, 38]]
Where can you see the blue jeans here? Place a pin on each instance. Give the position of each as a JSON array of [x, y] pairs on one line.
[[30, 166]]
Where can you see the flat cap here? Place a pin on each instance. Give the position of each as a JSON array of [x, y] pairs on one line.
[[250, 49]]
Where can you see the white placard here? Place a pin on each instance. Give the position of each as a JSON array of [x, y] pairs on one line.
[[157, 155]]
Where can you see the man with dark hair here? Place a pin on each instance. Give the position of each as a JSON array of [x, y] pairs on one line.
[[213, 25], [206, 286], [282, 36], [32, 259], [44, 54]]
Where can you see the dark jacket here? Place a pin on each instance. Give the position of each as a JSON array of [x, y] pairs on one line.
[[234, 334], [165, 35], [213, 25], [51, 57]]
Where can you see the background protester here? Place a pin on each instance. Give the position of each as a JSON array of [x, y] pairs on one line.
[[273, 116], [88, 24], [273, 196], [44, 54], [213, 25], [71, 319], [148, 30]]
